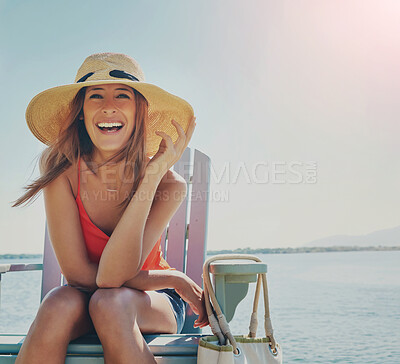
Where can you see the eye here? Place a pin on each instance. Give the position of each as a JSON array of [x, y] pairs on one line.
[[123, 96], [95, 96]]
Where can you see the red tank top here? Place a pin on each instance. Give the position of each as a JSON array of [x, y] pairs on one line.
[[96, 239]]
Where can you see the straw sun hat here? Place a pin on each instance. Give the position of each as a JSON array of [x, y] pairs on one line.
[[48, 110]]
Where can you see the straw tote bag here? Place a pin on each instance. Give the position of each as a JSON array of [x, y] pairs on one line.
[[223, 347]]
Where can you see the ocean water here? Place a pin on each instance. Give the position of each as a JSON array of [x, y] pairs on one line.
[[325, 307]]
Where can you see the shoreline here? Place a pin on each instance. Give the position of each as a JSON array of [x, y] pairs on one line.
[[299, 250]]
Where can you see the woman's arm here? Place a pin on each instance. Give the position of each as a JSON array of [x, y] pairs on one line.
[[151, 280], [141, 225], [145, 218], [66, 234], [186, 288]]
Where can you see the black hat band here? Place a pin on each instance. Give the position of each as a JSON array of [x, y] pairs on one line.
[[113, 73]]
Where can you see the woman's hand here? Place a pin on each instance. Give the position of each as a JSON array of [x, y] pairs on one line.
[[169, 153], [194, 296]]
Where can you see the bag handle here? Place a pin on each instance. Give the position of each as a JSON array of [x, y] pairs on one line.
[[221, 324]]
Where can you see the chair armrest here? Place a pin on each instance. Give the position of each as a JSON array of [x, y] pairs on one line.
[[231, 281], [4, 268]]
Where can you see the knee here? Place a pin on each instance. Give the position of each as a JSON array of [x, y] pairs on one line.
[[113, 302], [60, 310], [60, 303]]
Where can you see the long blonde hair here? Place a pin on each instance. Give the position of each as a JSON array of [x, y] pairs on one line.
[[74, 143]]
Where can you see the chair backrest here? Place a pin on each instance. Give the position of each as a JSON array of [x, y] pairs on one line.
[[183, 242]]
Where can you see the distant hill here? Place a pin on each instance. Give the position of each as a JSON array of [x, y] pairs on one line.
[[303, 250], [385, 237]]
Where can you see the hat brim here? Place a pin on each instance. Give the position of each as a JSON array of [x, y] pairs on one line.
[[49, 109]]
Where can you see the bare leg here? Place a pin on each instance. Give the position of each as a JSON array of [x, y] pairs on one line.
[[63, 316], [121, 315]]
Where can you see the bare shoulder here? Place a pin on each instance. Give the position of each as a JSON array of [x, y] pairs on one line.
[[66, 183], [71, 175]]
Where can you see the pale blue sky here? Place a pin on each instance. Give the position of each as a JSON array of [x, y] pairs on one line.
[[276, 86]]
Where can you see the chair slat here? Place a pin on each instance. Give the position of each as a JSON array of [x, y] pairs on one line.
[[163, 243], [198, 217], [177, 227], [51, 276]]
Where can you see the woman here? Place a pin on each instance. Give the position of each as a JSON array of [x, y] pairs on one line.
[[107, 204]]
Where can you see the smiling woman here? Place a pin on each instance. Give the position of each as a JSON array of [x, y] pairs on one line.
[[110, 123]]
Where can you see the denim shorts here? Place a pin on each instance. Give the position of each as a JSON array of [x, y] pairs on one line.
[[178, 306]]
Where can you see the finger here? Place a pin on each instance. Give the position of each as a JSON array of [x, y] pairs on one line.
[[183, 138], [202, 320], [192, 124], [179, 128], [200, 324], [165, 137], [191, 127], [190, 131], [180, 141]]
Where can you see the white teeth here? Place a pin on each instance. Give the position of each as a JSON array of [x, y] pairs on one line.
[[108, 125]]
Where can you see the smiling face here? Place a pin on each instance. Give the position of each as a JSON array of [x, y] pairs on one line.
[[109, 112]]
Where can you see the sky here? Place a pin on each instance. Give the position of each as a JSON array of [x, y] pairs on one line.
[[296, 105]]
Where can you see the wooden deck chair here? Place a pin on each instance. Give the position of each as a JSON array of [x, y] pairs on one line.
[[184, 246]]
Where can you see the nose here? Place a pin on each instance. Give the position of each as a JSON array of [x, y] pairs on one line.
[[109, 106]]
